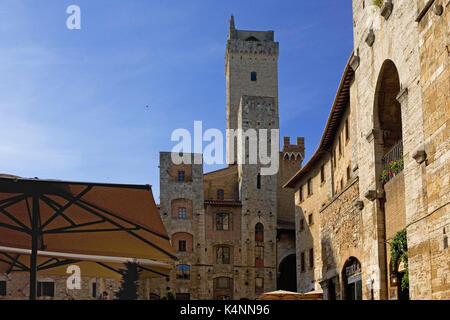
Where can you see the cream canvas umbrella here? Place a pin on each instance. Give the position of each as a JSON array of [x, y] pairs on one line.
[[81, 218]]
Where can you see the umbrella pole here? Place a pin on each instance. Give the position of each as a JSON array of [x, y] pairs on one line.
[[34, 247]]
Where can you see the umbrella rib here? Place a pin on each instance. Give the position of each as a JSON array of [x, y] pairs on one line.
[[10, 216], [11, 199], [17, 263], [28, 210], [156, 272], [10, 226], [71, 202], [81, 204], [123, 219], [62, 229], [108, 267], [130, 232], [55, 206], [58, 264]]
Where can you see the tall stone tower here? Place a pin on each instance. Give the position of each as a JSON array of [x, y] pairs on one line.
[[251, 69]]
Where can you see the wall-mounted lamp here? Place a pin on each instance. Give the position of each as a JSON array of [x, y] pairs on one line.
[[394, 279]]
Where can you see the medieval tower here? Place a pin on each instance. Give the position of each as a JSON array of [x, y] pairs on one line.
[[233, 229]]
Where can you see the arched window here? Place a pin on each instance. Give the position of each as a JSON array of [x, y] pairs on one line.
[[252, 38], [259, 232], [220, 194]]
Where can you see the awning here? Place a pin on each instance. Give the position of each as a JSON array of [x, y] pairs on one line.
[[81, 218]]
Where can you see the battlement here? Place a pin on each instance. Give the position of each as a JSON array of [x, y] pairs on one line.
[[294, 151], [247, 41]]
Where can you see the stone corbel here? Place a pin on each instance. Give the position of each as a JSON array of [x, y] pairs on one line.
[[354, 62], [373, 134], [402, 96], [386, 9], [370, 39], [420, 155], [371, 195], [358, 204]]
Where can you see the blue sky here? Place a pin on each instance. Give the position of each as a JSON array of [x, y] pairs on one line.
[[73, 102]]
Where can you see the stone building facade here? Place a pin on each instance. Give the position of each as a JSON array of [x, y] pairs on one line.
[[395, 89], [233, 229]]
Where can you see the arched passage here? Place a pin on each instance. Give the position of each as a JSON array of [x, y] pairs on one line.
[[388, 122], [287, 279]]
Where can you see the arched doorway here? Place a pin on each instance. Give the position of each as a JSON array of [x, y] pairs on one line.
[[352, 279], [288, 274]]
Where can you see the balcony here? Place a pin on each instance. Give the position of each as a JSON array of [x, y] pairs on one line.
[[392, 162]]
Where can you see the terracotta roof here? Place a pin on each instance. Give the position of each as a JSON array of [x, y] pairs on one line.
[[231, 203], [335, 117]]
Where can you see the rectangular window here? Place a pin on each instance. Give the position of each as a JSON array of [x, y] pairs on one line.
[[322, 173], [258, 181], [302, 262], [342, 184], [223, 283], [334, 159], [310, 219], [301, 193], [259, 285], [340, 145], [45, 289], [347, 136], [2, 288], [309, 186], [180, 176], [311, 258], [223, 255], [183, 272], [223, 222], [253, 76], [182, 213], [94, 290], [182, 296], [182, 245], [259, 256], [349, 175]]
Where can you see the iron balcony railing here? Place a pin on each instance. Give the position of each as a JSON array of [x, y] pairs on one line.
[[392, 162]]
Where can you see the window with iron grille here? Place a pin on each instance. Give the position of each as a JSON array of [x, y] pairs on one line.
[[45, 289], [180, 176], [302, 262], [309, 186], [183, 272], [182, 245], [2, 288]]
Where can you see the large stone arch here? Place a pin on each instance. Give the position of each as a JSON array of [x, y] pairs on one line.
[[287, 279]]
